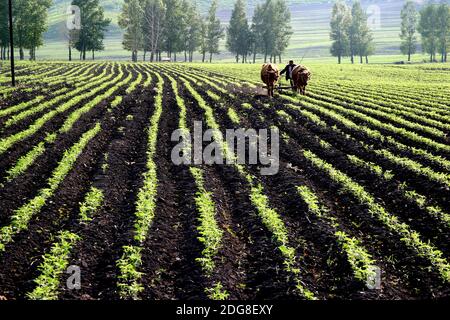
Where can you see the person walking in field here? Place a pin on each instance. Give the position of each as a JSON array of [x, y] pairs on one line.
[[288, 70]]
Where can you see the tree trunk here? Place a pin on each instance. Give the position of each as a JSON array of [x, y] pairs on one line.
[[70, 53], [210, 57], [93, 55], [21, 54], [254, 57], [367, 59], [339, 59]]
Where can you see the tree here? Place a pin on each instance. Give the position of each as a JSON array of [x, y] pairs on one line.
[[21, 10], [443, 25], [238, 33], [360, 39], [30, 17], [367, 47], [340, 24], [173, 23], [268, 35], [93, 27], [257, 31], [192, 35], [429, 30], [214, 31], [189, 26], [131, 19], [409, 28], [203, 40], [37, 25], [282, 28], [153, 26], [355, 29], [4, 30]]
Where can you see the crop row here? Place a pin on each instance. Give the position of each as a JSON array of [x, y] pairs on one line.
[[431, 253], [430, 109], [359, 259], [210, 234], [269, 216], [411, 165], [95, 82], [394, 108], [131, 260], [408, 236], [23, 215], [27, 160], [372, 134], [55, 263], [8, 142]]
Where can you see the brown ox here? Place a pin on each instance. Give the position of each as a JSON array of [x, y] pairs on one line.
[[301, 75], [270, 75]]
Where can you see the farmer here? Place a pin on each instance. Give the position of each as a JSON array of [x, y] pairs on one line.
[[288, 70]]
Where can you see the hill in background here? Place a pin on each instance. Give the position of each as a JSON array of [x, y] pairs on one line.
[[310, 20]]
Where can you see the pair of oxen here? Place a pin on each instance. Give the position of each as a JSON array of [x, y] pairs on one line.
[[270, 75]]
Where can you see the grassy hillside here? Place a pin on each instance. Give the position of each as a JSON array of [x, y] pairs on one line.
[[310, 21]]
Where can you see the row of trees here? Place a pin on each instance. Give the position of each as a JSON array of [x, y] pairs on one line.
[[29, 22], [93, 27], [171, 26], [350, 33], [269, 32], [176, 26], [433, 24]]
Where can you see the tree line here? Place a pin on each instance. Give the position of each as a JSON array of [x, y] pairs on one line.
[[432, 22], [176, 27], [29, 23], [350, 33], [89, 38], [268, 33]]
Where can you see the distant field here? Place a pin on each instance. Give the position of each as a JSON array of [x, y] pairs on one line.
[[310, 21], [88, 179]]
